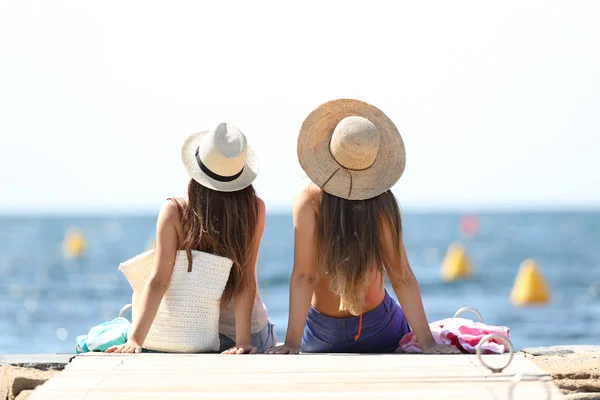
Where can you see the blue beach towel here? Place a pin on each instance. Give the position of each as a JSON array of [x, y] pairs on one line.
[[103, 336]]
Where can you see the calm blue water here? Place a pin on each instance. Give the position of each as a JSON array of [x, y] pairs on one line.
[[45, 300]]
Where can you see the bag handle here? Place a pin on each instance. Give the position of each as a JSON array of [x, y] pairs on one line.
[[180, 214]]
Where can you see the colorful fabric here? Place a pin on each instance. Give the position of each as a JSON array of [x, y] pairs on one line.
[[103, 336], [462, 333]]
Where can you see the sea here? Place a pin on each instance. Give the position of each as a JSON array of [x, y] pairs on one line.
[[47, 299]]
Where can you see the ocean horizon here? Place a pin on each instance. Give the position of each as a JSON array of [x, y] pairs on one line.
[[47, 300]]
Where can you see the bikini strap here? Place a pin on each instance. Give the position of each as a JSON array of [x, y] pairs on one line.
[[180, 215]]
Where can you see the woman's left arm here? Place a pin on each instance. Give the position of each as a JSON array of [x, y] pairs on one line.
[[244, 300], [157, 284]]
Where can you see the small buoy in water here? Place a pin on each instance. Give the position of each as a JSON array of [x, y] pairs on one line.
[[456, 264], [151, 243], [469, 225], [74, 244], [530, 287]]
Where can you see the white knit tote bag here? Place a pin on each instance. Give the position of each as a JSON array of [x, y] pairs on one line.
[[187, 320]]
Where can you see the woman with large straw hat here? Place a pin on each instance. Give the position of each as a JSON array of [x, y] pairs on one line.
[[348, 237], [222, 216]]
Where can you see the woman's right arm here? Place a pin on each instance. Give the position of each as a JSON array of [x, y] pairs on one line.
[[409, 295], [302, 281], [157, 284]]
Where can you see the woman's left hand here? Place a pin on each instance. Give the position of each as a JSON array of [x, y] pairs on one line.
[[441, 349], [242, 349]]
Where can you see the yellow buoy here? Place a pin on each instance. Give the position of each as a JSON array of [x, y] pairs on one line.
[[530, 287], [456, 264], [74, 244]]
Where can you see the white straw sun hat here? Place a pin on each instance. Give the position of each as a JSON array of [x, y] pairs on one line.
[[351, 149], [220, 159]]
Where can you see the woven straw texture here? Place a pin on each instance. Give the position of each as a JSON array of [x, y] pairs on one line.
[[188, 316], [344, 164]]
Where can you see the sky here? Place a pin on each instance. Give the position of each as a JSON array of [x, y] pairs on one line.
[[497, 102]]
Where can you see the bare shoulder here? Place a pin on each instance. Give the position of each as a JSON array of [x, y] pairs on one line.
[[169, 213], [307, 198], [262, 215], [304, 206], [305, 222], [169, 223], [262, 208]]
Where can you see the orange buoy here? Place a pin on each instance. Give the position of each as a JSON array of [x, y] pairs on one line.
[[530, 287]]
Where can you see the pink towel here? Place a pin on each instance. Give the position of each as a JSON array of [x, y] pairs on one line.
[[462, 333]]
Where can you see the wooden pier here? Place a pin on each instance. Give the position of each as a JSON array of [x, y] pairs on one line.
[[323, 376]]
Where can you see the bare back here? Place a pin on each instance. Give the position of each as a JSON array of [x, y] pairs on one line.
[[328, 303], [323, 299]]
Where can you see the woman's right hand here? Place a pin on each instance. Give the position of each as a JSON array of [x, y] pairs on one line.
[[441, 349], [283, 349], [129, 347]]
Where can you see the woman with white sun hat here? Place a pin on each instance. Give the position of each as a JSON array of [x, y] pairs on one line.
[[212, 237]]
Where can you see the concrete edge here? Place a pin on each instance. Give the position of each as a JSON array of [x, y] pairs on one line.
[[42, 362], [560, 350]]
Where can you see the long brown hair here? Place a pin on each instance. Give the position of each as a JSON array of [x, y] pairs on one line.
[[350, 245], [223, 223]]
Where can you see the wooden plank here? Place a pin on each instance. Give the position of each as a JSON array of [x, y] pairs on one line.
[[292, 377]]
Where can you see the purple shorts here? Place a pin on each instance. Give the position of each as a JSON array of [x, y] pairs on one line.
[[381, 331]]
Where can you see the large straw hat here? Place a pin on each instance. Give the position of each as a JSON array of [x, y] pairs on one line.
[[220, 159], [351, 149]]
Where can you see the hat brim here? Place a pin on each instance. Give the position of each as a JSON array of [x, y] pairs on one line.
[[188, 156], [316, 160]]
